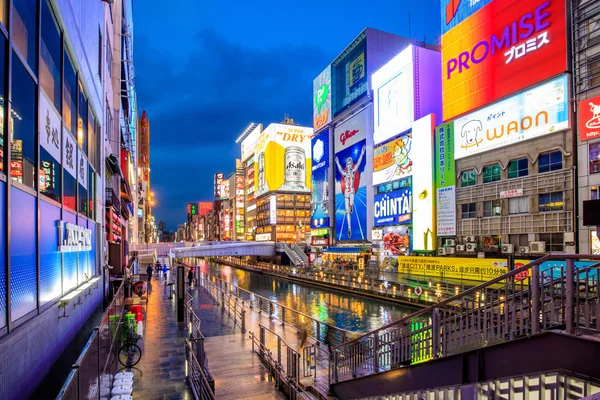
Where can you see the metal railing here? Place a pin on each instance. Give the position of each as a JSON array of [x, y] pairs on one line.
[[227, 300], [99, 356], [526, 302]]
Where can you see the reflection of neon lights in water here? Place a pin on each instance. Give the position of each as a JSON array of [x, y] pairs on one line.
[[420, 342]]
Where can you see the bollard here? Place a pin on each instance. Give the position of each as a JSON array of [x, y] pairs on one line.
[[282, 316], [223, 301], [244, 322]]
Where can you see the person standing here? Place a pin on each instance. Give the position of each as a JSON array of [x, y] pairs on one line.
[[165, 271], [190, 276], [149, 272]]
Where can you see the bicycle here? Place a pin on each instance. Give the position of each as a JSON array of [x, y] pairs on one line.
[[130, 353]]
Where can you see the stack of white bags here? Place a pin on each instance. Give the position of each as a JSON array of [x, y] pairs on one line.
[[119, 388]]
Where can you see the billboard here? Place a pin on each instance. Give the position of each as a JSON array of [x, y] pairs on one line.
[[319, 206], [192, 209], [273, 209], [205, 207], [476, 269], [393, 208], [322, 99], [217, 185], [349, 75], [499, 49], [536, 112], [282, 159], [225, 189], [351, 178], [395, 241], [249, 142], [445, 180], [424, 234], [589, 118], [393, 160]]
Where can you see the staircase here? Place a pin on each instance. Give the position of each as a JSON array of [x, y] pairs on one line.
[[294, 252]]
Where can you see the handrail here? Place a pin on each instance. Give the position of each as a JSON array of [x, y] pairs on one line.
[[195, 375]]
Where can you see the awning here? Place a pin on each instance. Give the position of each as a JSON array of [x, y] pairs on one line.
[[342, 250], [147, 259]]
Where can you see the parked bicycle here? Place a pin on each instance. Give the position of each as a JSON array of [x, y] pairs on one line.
[[130, 353]]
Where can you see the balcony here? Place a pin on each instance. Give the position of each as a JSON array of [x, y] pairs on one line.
[[558, 221], [531, 185]]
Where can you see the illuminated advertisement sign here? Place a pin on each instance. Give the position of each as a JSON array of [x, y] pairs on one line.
[[319, 217], [393, 208], [282, 159], [49, 175], [263, 237], [49, 129], [82, 169], [531, 114], [227, 224], [395, 241], [351, 178], [205, 207], [589, 118], [225, 189], [445, 180], [322, 99], [393, 160], [217, 185], [69, 150], [192, 209], [349, 76], [249, 142], [273, 209], [499, 49], [424, 234]]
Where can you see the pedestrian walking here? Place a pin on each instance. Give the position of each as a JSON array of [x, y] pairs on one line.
[[190, 277], [328, 341], [165, 271], [149, 272], [303, 336]]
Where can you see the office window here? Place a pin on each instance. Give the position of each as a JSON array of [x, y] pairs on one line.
[[551, 201], [594, 156], [492, 208], [554, 241], [518, 168], [491, 173], [91, 136], [2, 97], [91, 193], [550, 162], [82, 139], [4, 18], [49, 175], [22, 146], [24, 29], [468, 178], [594, 193], [50, 55], [518, 205], [469, 211], [70, 95], [108, 57], [100, 44], [518, 240]]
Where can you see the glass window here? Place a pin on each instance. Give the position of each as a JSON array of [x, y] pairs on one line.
[[108, 57], [24, 29], [518, 168], [100, 58], [2, 97], [594, 155], [70, 94], [518, 205], [91, 136], [551, 201], [22, 145], [469, 211], [491, 173], [49, 175], [594, 193], [468, 178], [4, 20], [91, 193], [50, 54], [492, 208], [554, 241], [518, 240], [82, 139], [550, 161]]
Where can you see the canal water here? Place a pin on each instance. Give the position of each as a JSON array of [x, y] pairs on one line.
[[354, 313]]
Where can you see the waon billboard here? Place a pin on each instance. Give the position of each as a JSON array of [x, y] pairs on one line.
[[502, 48], [589, 118]]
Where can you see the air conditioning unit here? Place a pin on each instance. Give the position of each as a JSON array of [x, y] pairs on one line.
[[472, 247], [491, 249], [524, 249], [569, 237], [460, 247], [450, 242], [441, 251], [537, 247], [570, 249], [450, 250], [508, 248], [471, 239]]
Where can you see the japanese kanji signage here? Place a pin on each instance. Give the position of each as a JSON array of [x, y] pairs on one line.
[[589, 118], [82, 169], [506, 194], [49, 129], [445, 178], [69, 155], [499, 49]]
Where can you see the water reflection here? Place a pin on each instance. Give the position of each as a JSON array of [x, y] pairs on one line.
[[345, 311]]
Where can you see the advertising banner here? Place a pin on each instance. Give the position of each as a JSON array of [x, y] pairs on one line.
[[322, 99], [249, 142], [69, 149], [393, 160], [393, 208], [528, 115], [476, 269], [282, 159], [225, 189], [82, 169], [351, 178], [205, 207], [319, 216], [49, 129], [262, 237], [395, 241], [349, 76], [273, 210], [393, 96], [424, 234], [217, 185], [445, 178], [499, 49], [589, 118]]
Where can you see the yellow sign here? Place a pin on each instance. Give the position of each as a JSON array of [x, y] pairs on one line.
[[480, 269], [357, 69]]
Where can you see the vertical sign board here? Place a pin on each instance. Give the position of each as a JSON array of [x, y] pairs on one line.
[[351, 178], [589, 118], [217, 185], [424, 234], [445, 180], [319, 216], [273, 210], [322, 99]]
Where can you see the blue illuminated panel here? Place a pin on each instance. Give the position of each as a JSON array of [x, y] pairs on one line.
[[50, 258], [93, 266], [2, 263], [83, 261], [23, 271], [70, 277]]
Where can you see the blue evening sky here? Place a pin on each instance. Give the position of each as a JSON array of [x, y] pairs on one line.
[[205, 69]]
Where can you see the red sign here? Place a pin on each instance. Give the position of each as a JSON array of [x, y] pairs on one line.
[[320, 241], [589, 118], [205, 207], [521, 276], [504, 47]]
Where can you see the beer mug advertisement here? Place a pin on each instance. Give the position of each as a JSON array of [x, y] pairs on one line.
[[319, 215], [351, 179], [283, 159]]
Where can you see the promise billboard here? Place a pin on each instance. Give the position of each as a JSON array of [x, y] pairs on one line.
[[500, 49]]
